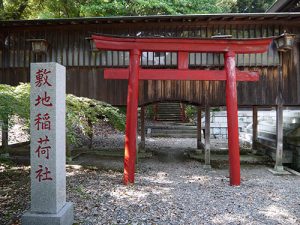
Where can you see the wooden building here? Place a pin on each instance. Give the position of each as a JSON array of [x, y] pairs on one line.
[[68, 43]]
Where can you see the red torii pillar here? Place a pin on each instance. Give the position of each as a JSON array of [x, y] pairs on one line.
[[183, 46], [131, 116], [232, 119]]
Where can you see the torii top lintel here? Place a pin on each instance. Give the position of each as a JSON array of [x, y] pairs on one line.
[[182, 44]]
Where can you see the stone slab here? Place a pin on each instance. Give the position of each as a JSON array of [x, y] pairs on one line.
[[64, 217], [292, 171], [207, 167], [279, 173]]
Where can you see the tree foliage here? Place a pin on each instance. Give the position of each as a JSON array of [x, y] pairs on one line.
[[145, 7], [13, 9], [14, 101], [82, 113], [251, 6], [33, 9]]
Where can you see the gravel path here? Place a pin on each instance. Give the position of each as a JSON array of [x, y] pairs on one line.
[[185, 193], [169, 189], [117, 141]]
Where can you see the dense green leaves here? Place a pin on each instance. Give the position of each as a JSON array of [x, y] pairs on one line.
[[145, 7], [33, 9], [251, 6], [81, 112], [14, 101]]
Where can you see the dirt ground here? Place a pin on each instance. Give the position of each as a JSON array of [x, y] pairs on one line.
[[170, 188]]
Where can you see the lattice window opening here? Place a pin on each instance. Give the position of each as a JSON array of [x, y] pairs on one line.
[[148, 59], [269, 58], [112, 58], [159, 59], [120, 59]]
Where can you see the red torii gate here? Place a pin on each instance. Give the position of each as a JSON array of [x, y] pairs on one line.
[[183, 46]]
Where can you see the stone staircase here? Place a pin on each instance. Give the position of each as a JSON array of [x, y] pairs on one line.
[[178, 129], [172, 130], [170, 111]]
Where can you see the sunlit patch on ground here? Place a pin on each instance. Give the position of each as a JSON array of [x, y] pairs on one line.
[[164, 193]]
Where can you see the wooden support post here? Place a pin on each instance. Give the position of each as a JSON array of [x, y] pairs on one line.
[[4, 128], [131, 117], [142, 145], [199, 144], [232, 119], [183, 116], [279, 142], [254, 127], [279, 119], [207, 136], [155, 111]]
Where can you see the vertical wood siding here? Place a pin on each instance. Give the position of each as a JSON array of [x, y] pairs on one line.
[[69, 46]]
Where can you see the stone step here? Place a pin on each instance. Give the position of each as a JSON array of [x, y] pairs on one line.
[[167, 116], [223, 158], [168, 113], [168, 106], [177, 127], [174, 131], [169, 103], [173, 135], [169, 119], [177, 108]]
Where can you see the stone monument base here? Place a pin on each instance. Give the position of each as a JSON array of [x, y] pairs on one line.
[[63, 217]]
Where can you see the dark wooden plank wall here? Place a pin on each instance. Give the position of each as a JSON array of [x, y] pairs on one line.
[[85, 78]]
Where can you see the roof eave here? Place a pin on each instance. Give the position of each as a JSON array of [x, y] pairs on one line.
[[204, 17]]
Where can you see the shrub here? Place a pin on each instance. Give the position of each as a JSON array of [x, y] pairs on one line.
[[80, 112]]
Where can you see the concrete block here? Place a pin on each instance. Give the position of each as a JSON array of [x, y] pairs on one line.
[[64, 217]]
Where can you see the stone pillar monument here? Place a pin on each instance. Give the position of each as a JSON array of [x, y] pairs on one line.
[[48, 147]]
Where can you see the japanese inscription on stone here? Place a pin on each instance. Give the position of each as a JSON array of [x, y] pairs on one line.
[[42, 122], [47, 137]]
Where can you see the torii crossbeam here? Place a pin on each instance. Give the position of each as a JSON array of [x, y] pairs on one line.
[[229, 47]]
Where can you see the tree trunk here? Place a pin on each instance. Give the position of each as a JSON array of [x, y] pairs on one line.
[[90, 134], [19, 11], [4, 128]]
